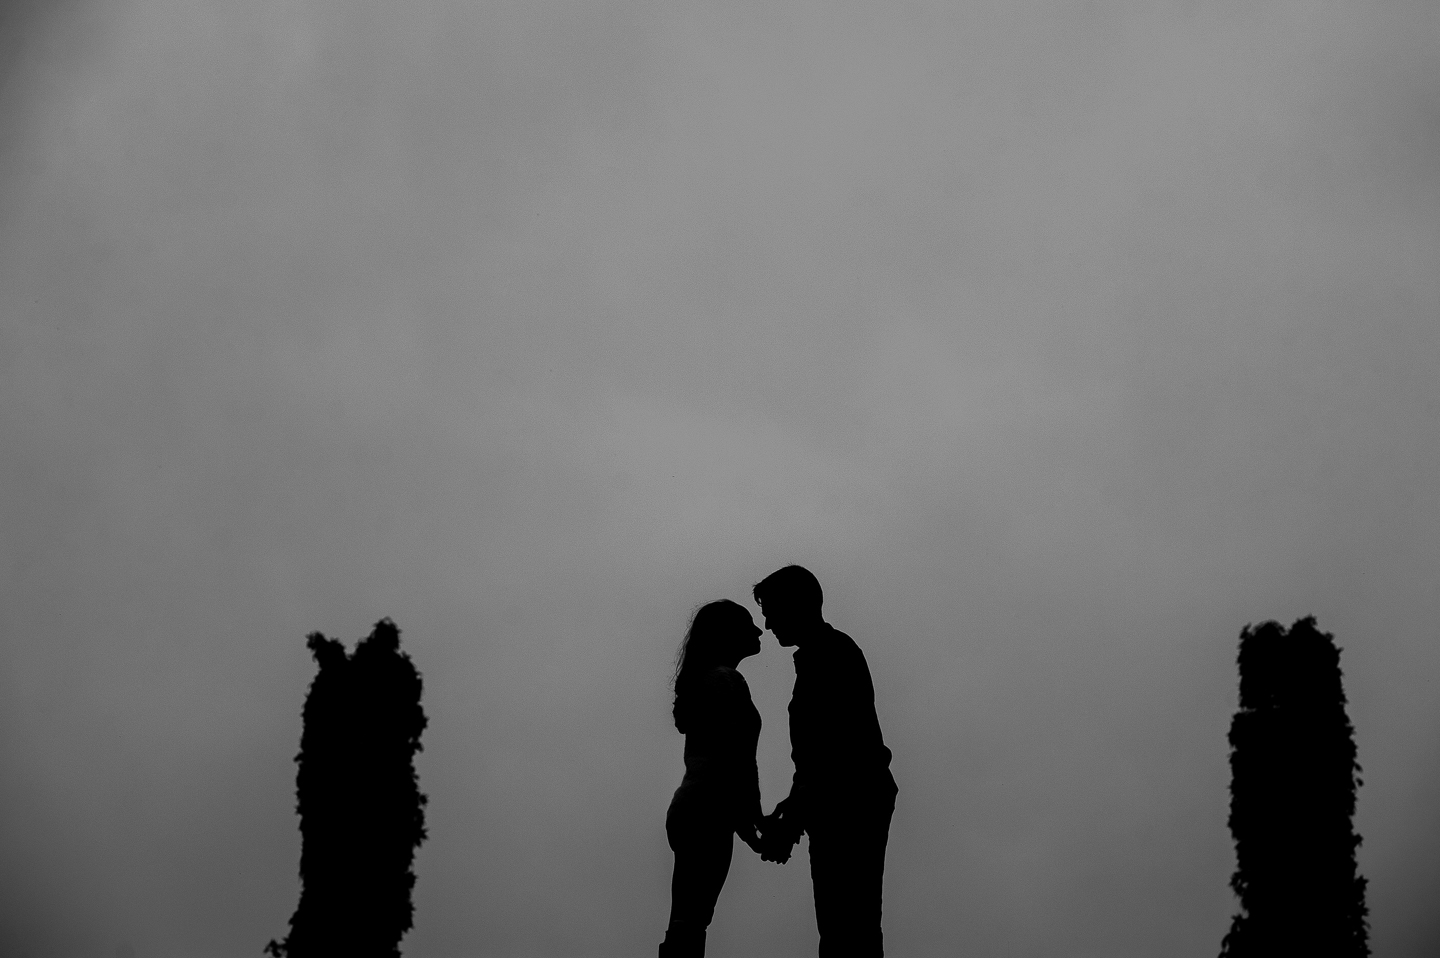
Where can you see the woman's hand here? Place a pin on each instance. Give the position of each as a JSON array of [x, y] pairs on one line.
[[750, 835]]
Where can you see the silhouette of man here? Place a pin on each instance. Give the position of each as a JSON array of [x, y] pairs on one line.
[[843, 794]]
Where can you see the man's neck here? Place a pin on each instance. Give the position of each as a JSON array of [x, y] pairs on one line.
[[808, 634]]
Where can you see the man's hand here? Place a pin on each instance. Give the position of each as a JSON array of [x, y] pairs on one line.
[[784, 820]]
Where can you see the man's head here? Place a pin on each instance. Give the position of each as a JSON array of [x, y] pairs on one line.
[[790, 599]]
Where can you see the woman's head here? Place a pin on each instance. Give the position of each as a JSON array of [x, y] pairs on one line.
[[720, 633]]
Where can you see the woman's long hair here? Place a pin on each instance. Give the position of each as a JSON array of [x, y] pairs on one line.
[[712, 629]]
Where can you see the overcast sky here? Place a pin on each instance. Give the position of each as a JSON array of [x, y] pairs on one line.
[[1060, 339]]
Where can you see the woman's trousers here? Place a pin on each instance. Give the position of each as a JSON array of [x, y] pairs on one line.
[[702, 849]]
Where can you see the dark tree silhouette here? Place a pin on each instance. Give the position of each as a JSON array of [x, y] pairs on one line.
[[362, 814], [1292, 800]]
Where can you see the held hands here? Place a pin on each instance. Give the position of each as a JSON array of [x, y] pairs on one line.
[[778, 834], [776, 848]]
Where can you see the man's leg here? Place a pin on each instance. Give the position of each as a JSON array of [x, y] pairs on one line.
[[847, 867]]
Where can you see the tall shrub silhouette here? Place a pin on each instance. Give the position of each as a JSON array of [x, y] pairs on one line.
[[1292, 799], [362, 814]]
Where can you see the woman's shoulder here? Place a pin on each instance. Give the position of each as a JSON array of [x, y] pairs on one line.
[[723, 678]]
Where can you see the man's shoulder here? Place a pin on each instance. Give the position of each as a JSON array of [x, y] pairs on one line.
[[841, 644]]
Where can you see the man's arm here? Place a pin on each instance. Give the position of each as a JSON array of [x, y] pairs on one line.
[[834, 734]]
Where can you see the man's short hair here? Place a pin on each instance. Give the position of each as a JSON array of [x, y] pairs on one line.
[[793, 585]]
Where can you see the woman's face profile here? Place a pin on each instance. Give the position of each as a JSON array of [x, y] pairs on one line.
[[747, 636]]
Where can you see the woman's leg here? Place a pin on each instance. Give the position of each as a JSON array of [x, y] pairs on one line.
[[702, 860]]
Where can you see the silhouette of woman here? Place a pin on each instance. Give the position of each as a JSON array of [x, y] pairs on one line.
[[719, 796]]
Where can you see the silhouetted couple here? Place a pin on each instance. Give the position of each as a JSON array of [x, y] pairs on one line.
[[842, 795]]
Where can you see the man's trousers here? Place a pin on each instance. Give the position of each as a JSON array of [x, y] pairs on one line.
[[847, 867]]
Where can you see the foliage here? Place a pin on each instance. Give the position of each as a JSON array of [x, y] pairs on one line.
[[361, 810], [1294, 777]]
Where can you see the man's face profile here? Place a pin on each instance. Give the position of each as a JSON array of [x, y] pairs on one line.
[[780, 620]]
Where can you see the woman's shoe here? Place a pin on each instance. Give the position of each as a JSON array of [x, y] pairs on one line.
[[683, 945]]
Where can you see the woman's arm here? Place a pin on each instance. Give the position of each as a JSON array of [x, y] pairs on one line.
[[739, 727]]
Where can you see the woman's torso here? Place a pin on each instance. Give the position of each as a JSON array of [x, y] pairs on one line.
[[722, 727]]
